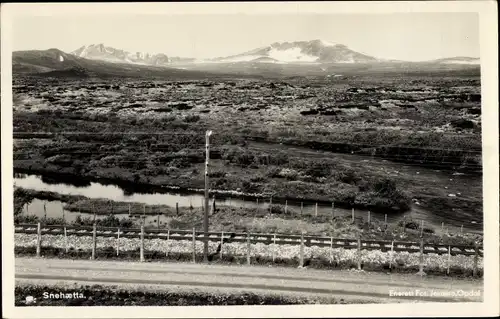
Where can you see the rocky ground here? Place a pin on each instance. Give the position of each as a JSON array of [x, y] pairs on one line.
[[83, 129]]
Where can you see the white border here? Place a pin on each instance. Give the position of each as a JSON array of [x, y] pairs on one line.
[[489, 66]]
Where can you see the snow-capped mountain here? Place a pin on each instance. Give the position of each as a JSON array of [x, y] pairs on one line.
[[315, 51], [105, 53], [298, 52]]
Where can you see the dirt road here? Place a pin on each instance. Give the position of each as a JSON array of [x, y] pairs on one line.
[[349, 285]]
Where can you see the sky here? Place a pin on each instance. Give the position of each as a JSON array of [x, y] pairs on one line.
[[404, 36]]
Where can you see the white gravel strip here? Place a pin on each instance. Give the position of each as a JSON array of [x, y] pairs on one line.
[[339, 255]]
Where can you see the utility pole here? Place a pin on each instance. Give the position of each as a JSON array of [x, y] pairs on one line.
[[205, 221]]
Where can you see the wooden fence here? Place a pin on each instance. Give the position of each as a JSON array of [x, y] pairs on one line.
[[254, 238]]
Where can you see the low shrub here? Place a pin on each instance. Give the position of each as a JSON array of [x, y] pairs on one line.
[[193, 118], [25, 219], [429, 230]]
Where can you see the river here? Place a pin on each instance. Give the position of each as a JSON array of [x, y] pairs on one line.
[[96, 190], [169, 198]]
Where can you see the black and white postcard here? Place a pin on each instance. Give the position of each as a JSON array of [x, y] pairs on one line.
[[282, 159]]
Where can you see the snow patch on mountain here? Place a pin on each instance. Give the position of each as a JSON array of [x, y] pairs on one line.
[[291, 55], [475, 61], [84, 51], [327, 43], [314, 51], [348, 60]]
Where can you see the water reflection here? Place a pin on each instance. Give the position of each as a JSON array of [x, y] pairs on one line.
[[169, 198], [65, 181], [112, 192], [55, 209]]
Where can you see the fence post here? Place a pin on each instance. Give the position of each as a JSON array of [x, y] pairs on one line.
[[158, 221], [359, 251], [257, 204], [286, 206], [168, 242], [316, 210], [301, 208], [331, 250], [333, 226], [274, 247], [421, 259], [352, 213], [333, 211], [221, 243], [391, 255], [422, 229], [93, 209], [63, 215], [449, 261], [404, 224], [301, 257], [142, 243], [369, 218], [177, 209], [44, 210], [476, 258], [39, 240], [248, 248], [194, 245], [94, 235], [65, 240], [461, 229], [385, 222], [118, 242]]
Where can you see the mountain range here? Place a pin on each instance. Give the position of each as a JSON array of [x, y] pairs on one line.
[[105, 53], [54, 62], [315, 51], [316, 57]]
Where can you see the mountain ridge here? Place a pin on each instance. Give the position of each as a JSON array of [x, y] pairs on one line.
[[110, 54], [312, 51], [54, 62]]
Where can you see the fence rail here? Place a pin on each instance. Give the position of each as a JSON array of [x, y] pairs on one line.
[[226, 237]]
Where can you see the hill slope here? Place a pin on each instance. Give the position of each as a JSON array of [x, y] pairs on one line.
[[47, 62]]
